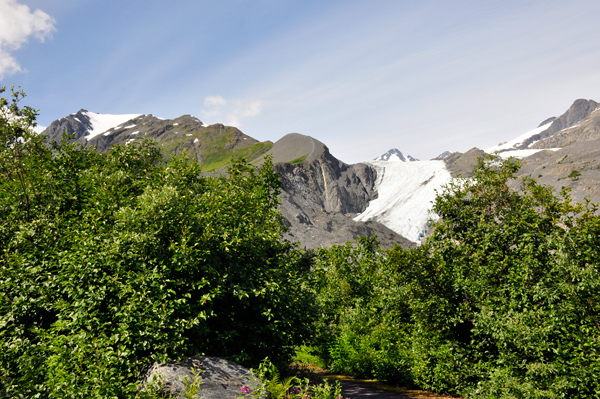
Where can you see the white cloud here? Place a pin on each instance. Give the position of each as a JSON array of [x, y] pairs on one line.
[[214, 101], [17, 23], [214, 105], [217, 106], [243, 110]]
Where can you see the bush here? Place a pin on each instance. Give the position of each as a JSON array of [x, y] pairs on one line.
[[111, 261], [501, 301]]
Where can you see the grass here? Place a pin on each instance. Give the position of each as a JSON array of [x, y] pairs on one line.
[[222, 157], [306, 363], [575, 174], [299, 160]]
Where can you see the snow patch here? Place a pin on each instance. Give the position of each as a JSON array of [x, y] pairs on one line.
[[523, 153], [406, 191], [196, 140], [189, 134], [103, 122], [136, 132], [519, 140], [176, 123], [129, 127], [77, 120]]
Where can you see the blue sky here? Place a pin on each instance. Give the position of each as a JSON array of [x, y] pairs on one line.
[[361, 76]]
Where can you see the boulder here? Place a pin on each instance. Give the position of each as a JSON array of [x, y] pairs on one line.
[[220, 378]]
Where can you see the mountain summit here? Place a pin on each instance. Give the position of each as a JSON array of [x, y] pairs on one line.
[[394, 155]]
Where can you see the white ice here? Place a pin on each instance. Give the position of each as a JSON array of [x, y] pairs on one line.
[[103, 122], [406, 191], [511, 144], [523, 153]]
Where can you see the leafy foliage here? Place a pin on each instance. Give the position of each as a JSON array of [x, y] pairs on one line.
[[501, 301], [109, 262]]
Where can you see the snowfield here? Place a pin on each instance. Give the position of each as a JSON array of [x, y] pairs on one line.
[[406, 192], [514, 142], [103, 122], [523, 153]]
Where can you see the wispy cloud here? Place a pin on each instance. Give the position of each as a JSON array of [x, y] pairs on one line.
[[17, 24], [243, 110], [214, 106], [217, 106]]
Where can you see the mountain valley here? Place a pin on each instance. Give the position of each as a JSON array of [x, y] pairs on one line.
[[326, 201]]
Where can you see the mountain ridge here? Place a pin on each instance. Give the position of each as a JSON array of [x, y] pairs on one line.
[[325, 201]]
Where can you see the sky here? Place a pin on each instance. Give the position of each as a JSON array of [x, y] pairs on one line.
[[361, 76]]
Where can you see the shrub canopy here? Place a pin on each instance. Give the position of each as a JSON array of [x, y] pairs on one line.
[[501, 301], [109, 262]]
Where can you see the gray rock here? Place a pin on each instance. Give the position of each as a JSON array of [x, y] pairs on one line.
[[579, 111], [443, 155], [460, 164], [220, 378], [322, 195]]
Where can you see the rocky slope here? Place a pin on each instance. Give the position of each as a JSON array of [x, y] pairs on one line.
[[212, 146], [325, 201], [321, 195]]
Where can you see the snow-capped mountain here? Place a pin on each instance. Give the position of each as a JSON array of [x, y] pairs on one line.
[[443, 155], [326, 201], [546, 135], [394, 155], [101, 123]]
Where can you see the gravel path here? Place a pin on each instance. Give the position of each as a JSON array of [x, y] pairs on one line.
[[353, 389]]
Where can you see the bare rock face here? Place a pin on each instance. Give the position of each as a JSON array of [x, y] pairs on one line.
[[220, 379], [576, 167], [322, 195], [580, 110], [462, 164], [76, 124]]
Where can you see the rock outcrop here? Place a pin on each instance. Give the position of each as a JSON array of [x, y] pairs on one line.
[[580, 110], [219, 378], [321, 195], [462, 164]]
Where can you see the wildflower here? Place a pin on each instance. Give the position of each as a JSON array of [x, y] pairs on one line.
[[245, 390]]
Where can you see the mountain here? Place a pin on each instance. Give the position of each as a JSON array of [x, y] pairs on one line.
[[321, 195], [326, 201], [394, 155], [212, 146], [442, 156], [563, 152], [579, 123]]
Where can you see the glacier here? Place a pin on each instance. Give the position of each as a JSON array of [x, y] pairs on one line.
[[406, 191]]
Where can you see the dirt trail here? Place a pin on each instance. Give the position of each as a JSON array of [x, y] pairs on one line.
[[354, 388]]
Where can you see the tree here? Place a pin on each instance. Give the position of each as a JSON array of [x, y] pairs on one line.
[[504, 292], [109, 262]]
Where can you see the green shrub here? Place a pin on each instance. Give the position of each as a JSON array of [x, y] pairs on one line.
[[109, 262], [501, 301]]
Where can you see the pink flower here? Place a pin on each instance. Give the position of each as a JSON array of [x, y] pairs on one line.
[[245, 390]]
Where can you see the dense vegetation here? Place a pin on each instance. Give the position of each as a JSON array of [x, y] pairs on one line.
[[502, 301], [109, 262]]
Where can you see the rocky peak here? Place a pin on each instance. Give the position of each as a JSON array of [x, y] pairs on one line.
[[443, 155], [580, 110], [395, 155]]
